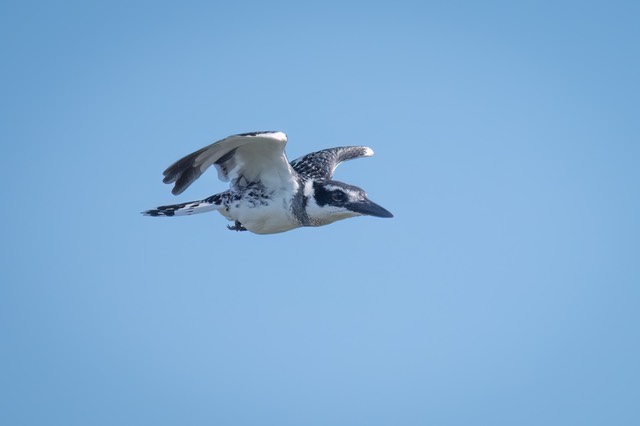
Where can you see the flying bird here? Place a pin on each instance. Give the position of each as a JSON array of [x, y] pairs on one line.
[[268, 194]]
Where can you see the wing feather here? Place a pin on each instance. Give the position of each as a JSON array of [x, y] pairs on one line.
[[322, 164], [247, 157]]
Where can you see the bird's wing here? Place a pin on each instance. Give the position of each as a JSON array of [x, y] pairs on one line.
[[321, 164], [242, 159]]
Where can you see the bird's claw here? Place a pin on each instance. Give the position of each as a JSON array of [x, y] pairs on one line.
[[237, 226]]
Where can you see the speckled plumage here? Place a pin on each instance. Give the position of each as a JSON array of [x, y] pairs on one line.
[[268, 194]]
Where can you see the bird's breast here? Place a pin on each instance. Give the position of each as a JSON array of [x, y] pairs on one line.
[[262, 211]]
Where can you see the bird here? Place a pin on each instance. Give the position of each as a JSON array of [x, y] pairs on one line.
[[267, 193]]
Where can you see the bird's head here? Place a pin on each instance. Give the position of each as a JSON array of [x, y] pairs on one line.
[[332, 200]]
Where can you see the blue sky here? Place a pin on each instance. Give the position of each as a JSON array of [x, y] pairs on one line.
[[504, 291]]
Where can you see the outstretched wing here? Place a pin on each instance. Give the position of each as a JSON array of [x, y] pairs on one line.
[[321, 164], [241, 159]]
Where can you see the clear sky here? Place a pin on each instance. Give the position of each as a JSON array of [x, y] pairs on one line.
[[504, 292]]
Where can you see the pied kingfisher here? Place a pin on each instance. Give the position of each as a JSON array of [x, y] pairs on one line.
[[268, 194]]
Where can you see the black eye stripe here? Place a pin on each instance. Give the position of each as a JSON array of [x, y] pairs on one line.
[[335, 193], [338, 195]]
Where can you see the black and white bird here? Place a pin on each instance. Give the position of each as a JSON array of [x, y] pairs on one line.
[[268, 194]]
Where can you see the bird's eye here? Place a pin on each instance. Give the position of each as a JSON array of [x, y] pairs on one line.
[[338, 196]]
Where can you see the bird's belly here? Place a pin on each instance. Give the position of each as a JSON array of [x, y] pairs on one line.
[[265, 218]]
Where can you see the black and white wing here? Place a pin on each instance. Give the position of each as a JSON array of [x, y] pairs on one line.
[[321, 164], [241, 159]]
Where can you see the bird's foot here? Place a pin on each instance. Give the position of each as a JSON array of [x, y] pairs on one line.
[[236, 227]]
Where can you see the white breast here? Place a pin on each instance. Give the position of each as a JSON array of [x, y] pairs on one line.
[[265, 216]]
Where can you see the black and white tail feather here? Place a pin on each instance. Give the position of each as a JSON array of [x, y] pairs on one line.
[[267, 193], [185, 209]]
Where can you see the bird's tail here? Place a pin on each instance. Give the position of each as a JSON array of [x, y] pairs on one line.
[[192, 207]]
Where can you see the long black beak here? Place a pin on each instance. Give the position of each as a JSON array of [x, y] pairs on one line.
[[369, 208]]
